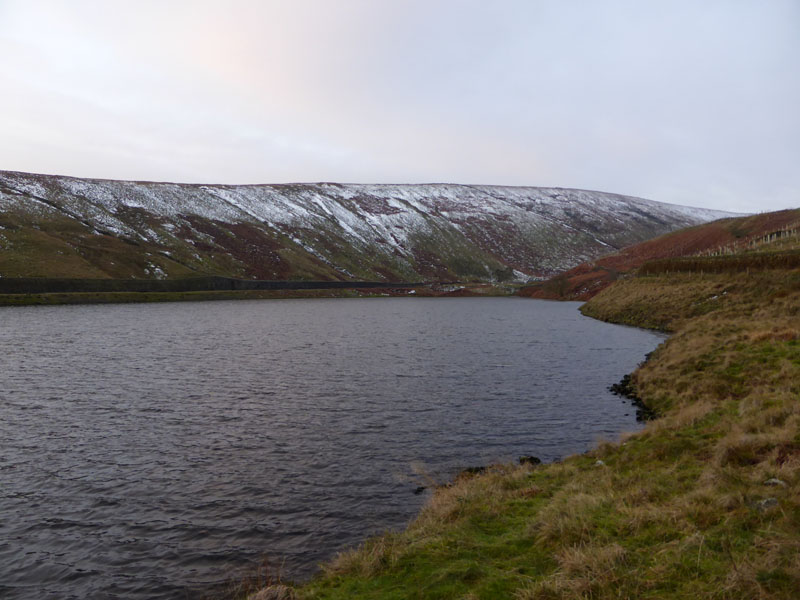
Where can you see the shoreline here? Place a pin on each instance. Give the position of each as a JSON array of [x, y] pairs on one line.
[[126, 297], [701, 502], [251, 581]]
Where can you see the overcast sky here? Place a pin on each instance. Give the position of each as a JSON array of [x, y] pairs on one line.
[[686, 102]]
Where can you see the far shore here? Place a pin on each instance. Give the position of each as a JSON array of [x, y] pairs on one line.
[[120, 297]]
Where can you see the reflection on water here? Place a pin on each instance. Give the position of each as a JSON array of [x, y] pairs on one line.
[[149, 451]]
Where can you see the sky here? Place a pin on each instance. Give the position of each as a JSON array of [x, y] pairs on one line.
[[687, 102]]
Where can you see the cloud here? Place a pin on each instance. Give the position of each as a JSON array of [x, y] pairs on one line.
[[683, 102]]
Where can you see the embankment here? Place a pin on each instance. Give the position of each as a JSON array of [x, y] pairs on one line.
[[704, 502], [32, 291]]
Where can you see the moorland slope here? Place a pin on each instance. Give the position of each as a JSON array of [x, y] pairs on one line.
[[53, 226], [719, 238]]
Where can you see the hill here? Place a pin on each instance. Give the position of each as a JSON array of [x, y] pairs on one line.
[[53, 226], [720, 238]]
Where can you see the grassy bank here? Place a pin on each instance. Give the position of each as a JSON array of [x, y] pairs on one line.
[[704, 502]]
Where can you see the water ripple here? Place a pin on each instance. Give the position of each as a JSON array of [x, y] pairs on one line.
[[154, 451]]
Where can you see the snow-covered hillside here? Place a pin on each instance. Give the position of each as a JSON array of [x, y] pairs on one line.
[[325, 230]]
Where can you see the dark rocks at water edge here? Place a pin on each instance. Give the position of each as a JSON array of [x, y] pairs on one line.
[[530, 460], [624, 388], [627, 389]]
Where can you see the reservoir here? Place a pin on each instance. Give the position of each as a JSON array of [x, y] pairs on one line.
[[157, 450]]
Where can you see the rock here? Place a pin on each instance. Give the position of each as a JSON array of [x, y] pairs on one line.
[[419, 490], [599, 463], [627, 389], [775, 481], [766, 503], [530, 460]]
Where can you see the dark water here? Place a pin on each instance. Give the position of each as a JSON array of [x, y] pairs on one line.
[[151, 451]]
